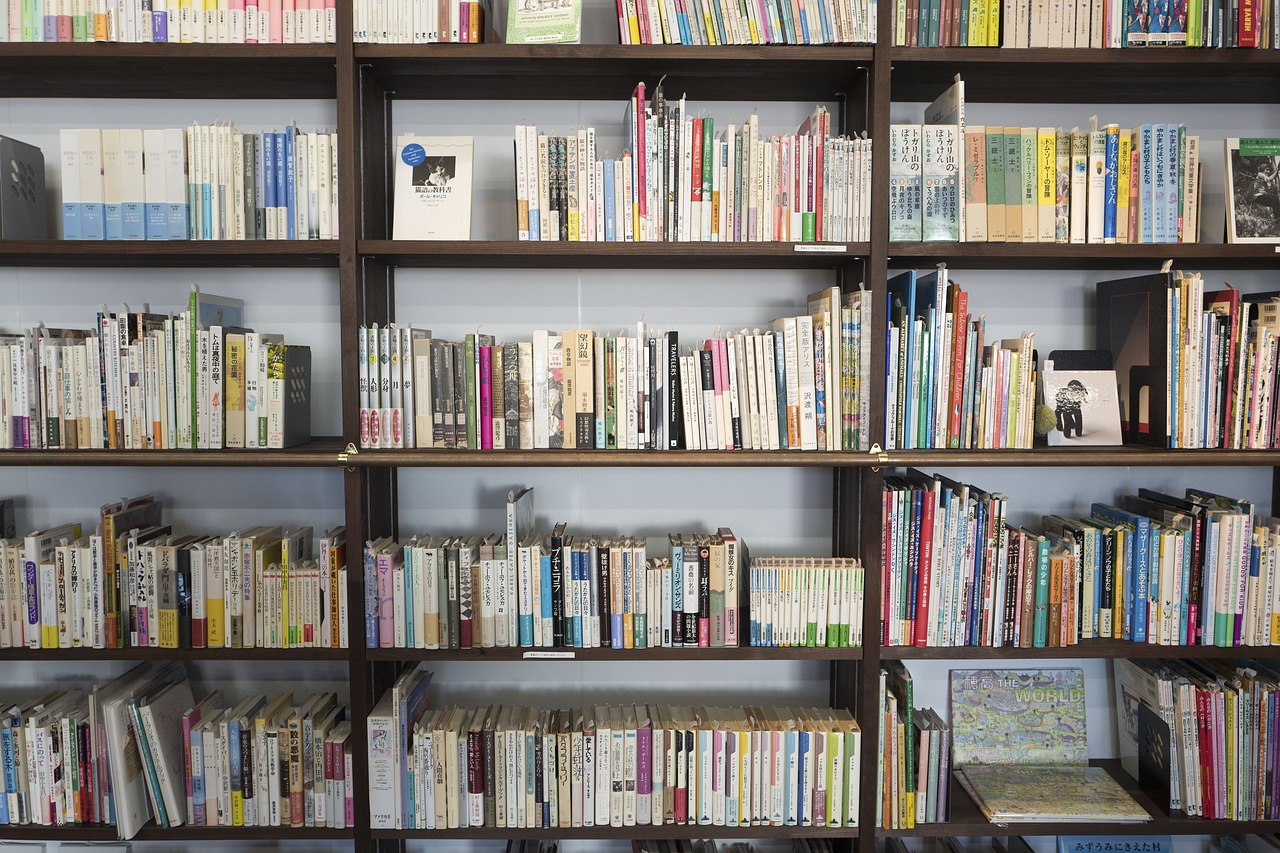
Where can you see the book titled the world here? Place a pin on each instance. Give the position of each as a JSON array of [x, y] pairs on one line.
[[1018, 716], [433, 188]]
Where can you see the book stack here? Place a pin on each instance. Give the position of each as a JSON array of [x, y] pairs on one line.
[[1106, 23], [809, 602], [135, 584], [419, 21], [556, 591], [267, 761], [677, 180], [631, 765], [913, 785], [205, 182], [1209, 362], [1190, 704], [711, 22], [803, 384], [947, 387], [139, 380], [172, 21]]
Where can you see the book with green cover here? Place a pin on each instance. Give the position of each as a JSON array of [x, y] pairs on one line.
[[544, 22], [1018, 716]]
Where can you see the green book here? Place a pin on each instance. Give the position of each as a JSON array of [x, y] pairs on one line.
[[995, 185]]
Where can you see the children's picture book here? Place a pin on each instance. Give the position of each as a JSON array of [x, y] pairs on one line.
[[1018, 716], [1253, 190], [1052, 793], [1115, 844], [433, 187], [1085, 405], [544, 22]]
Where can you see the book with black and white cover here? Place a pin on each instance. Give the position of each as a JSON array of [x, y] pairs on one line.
[[1253, 190], [433, 187]]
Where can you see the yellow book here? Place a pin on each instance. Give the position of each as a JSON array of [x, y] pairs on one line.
[[993, 23], [1122, 183], [1046, 183], [977, 35]]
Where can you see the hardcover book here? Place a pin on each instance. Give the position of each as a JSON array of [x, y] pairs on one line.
[[544, 22], [1018, 716], [433, 188], [1054, 793], [1253, 190]]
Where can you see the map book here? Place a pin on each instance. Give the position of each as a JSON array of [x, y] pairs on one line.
[[1018, 716], [1049, 793]]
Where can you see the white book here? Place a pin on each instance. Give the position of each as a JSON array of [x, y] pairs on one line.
[[1096, 186], [433, 188]]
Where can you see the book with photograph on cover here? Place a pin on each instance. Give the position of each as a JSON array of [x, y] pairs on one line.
[[433, 187], [1253, 190]]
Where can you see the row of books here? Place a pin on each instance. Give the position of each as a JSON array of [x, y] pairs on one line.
[[204, 182], [1153, 569], [1102, 185], [948, 23], [265, 761], [419, 21], [809, 602], [171, 21], [712, 22], [1190, 704], [677, 180], [914, 780], [629, 765], [1213, 351], [947, 387], [143, 380], [803, 385], [552, 591], [147, 587]]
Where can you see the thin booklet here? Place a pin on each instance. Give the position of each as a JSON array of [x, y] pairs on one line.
[[433, 187]]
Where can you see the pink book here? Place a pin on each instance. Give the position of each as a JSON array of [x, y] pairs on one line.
[[252, 21], [236, 10], [486, 398], [346, 789], [275, 23], [722, 388], [386, 596], [64, 29], [288, 22], [464, 22]]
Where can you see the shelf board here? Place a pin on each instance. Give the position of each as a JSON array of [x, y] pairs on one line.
[[151, 832], [1104, 649], [320, 452], [1126, 76], [45, 655], [624, 832], [574, 255], [183, 71], [967, 818], [1056, 256], [628, 655], [1094, 457], [169, 253], [610, 72]]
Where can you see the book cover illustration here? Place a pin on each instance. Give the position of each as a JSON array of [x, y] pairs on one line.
[[1061, 794], [1016, 716], [1253, 190], [433, 188], [1085, 405], [544, 22]]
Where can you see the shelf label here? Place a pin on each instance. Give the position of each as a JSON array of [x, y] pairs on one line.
[[838, 248], [549, 655]]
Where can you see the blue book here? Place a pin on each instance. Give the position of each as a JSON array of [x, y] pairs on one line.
[[10, 768], [1115, 844], [902, 303], [609, 234], [1146, 185], [797, 793], [1159, 183], [159, 27], [780, 378], [413, 701], [682, 18], [1175, 137], [583, 577], [408, 603], [547, 612], [278, 172], [370, 598], [1137, 565], [1111, 175], [268, 169], [290, 182]]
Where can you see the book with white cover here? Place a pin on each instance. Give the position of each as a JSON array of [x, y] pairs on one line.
[[433, 187]]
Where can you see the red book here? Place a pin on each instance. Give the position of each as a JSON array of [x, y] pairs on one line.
[[641, 149], [886, 559], [704, 596], [960, 327], [695, 175], [475, 776], [486, 398], [1248, 29], [684, 741], [929, 500]]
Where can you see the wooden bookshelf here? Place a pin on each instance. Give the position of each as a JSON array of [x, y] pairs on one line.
[[137, 654], [683, 655], [320, 452], [1056, 256], [1085, 649], [226, 254]]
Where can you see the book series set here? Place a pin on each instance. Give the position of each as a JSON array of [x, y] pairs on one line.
[[1086, 23], [1154, 568], [802, 385], [134, 583], [678, 181], [139, 380], [420, 21], [171, 21], [608, 765], [204, 182], [712, 22]]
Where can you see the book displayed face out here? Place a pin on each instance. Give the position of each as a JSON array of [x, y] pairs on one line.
[[433, 188]]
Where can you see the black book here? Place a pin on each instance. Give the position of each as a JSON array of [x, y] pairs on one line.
[[675, 399], [1130, 324], [603, 571], [557, 543]]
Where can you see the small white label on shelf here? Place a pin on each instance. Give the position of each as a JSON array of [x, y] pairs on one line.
[[821, 247], [549, 655]]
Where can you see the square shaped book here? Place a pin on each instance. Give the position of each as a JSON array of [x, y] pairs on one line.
[[1049, 793]]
